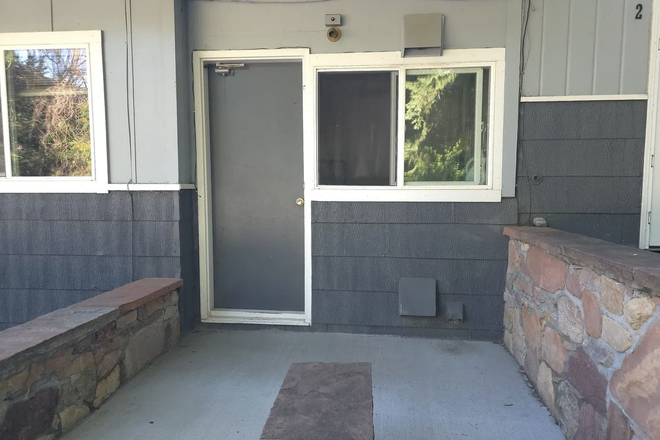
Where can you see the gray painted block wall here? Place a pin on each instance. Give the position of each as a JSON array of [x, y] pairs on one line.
[[580, 167], [58, 249]]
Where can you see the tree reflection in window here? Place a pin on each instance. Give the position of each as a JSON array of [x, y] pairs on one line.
[[441, 143], [49, 120]]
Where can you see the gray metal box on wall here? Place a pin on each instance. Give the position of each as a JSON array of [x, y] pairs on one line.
[[417, 297], [422, 35]]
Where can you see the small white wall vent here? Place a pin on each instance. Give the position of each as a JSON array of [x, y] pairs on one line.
[[422, 35]]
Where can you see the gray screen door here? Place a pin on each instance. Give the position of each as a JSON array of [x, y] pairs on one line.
[[256, 133]]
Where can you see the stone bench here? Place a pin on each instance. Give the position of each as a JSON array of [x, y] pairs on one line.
[[56, 369], [323, 401], [582, 318]]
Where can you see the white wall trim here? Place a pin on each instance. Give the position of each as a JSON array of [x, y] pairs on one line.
[[225, 316], [570, 98], [380, 60], [30, 40], [431, 194], [53, 186], [651, 128], [208, 312], [71, 186], [150, 186]]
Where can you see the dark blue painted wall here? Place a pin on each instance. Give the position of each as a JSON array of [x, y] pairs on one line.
[[58, 249], [360, 250], [580, 167]]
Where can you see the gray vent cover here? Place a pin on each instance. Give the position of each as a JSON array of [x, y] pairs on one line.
[[417, 297], [422, 35]]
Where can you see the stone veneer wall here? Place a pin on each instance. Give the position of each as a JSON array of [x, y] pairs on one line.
[[582, 318], [58, 368]]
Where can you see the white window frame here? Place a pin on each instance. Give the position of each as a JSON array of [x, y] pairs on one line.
[[91, 41], [392, 61]]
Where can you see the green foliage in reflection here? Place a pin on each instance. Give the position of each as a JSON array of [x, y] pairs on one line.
[[436, 134], [429, 165], [49, 113]]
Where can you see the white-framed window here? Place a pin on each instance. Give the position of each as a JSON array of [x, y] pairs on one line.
[[52, 113], [406, 129]]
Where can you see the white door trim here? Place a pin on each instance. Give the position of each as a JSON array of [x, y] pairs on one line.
[[203, 148], [573, 98], [653, 92]]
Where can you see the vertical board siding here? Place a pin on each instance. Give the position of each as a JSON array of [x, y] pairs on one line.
[[608, 46], [374, 25], [635, 52], [149, 90], [581, 34], [584, 47], [554, 47], [110, 18], [59, 249], [580, 167], [533, 48], [37, 11], [154, 91]]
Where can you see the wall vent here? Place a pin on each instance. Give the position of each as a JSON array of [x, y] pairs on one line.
[[422, 35], [417, 297]]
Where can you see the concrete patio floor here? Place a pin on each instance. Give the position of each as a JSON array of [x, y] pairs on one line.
[[222, 384]]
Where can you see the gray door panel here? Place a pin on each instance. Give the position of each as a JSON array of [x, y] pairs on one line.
[[257, 174]]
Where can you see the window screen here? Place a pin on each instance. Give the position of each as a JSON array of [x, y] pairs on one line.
[[356, 128]]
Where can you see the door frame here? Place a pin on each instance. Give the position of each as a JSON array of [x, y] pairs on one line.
[[651, 138], [204, 188]]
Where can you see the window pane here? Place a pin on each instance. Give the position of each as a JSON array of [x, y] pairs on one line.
[[357, 138], [49, 112], [446, 135]]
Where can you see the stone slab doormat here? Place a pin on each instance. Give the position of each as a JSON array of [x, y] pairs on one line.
[[323, 401]]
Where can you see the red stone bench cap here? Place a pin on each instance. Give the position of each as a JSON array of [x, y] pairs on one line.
[[133, 295], [626, 263], [52, 329]]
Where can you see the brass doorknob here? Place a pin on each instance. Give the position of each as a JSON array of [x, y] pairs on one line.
[[300, 201]]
